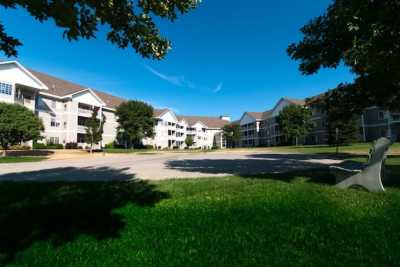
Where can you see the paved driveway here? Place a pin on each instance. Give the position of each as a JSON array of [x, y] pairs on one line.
[[160, 166]]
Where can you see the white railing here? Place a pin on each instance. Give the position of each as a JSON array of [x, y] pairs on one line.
[[81, 129]]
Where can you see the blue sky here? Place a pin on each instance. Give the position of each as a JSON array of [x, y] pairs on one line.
[[228, 57]]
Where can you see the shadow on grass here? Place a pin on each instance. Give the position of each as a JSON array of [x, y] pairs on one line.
[[60, 212]]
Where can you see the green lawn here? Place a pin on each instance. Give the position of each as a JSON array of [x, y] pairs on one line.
[[18, 159], [354, 148], [296, 219]]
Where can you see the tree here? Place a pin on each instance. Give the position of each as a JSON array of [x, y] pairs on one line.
[[232, 135], [136, 121], [365, 36], [189, 141], [294, 123], [94, 129], [343, 128], [130, 23], [18, 124]]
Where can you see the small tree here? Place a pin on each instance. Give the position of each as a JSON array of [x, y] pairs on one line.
[[18, 124], [232, 135], [94, 129], [136, 121], [294, 123], [189, 141]]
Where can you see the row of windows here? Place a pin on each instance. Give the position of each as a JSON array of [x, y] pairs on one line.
[[5, 88]]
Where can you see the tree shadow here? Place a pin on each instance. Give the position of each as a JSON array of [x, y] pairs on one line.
[[253, 165], [62, 211], [30, 153], [313, 168]]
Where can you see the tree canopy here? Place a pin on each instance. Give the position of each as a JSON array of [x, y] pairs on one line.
[[135, 119], [232, 135], [18, 124], [294, 122], [129, 23], [363, 35]]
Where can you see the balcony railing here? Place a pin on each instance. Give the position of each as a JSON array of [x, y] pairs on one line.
[[81, 129]]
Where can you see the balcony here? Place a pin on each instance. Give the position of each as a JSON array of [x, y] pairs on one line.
[[84, 112], [81, 129]]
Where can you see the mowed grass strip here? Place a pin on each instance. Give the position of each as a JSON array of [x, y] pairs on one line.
[[19, 159], [270, 220], [361, 148]]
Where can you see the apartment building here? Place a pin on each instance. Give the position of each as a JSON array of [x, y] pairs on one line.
[[261, 128], [64, 107]]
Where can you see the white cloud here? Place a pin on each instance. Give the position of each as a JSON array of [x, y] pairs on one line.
[[172, 79], [218, 88]]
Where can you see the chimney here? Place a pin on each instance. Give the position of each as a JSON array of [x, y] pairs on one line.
[[225, 118]]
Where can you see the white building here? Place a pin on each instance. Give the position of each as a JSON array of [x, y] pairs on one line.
[[64, 108]]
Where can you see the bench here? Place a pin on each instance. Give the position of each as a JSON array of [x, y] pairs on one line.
[[369, 177]]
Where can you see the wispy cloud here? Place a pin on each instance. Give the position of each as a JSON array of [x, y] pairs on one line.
[[172, 79], [218, 88]]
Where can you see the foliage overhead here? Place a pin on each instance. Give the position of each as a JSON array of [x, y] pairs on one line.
[[135, 119], [18, 124], [130, 23], [232, 135], [363, 35], [94, 129], [294, 122]]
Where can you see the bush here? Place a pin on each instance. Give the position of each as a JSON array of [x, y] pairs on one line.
[[39, 146], [48, 146], [110, 145], [71, 145], [149, 147], [19, 147], [55, 146]]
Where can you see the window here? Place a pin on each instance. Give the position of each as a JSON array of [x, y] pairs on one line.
[[381, 115], [54, 123], [53, 140], [5, 88], [53, 104]]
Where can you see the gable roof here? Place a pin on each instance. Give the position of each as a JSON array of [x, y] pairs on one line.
[[211, 122], [295, 101], [255, 115], [60, 87], [160, 112], [27, 72]]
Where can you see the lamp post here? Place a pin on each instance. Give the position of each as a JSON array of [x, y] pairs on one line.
[[337, 140]]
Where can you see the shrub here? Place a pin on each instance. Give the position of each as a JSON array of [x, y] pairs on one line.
[[110, 145], [19, 147], [71, 145], [48, 146], [39, 146], [54, 146], [149, 147]]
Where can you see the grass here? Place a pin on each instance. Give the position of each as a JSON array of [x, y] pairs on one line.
[[123, 150], [296, 219], [19, 159], [354, 148]]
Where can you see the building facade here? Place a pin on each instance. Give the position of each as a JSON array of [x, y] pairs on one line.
[[64, 107]]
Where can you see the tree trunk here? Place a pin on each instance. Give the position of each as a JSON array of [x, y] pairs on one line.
[[297, 141]]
